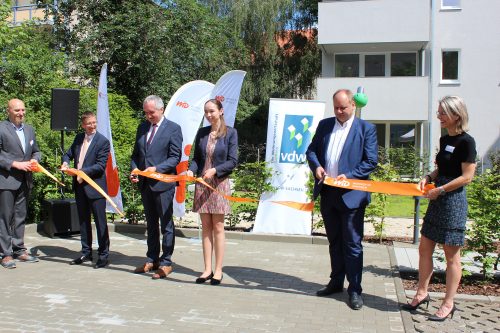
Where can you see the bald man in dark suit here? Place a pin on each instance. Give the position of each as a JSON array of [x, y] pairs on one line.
[[18, 152]]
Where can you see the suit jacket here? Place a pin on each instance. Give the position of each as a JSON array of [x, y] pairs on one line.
[[357, 159], [164, 153], [225, 156], [11, 150], [94, 163]]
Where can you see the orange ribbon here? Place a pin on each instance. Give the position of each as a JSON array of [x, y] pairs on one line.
[[83, 175], [307, 207], [36, 167], [410, 189]]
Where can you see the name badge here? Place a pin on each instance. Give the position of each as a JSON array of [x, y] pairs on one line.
[[449, 148]]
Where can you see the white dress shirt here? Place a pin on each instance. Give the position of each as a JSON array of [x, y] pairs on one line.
[[335, 146]]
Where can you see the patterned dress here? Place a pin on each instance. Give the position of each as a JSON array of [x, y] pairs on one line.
[[206, 200], [445, 219]]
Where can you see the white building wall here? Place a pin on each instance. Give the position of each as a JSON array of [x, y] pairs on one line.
[[373, 21], [359, 26], [475, 31]]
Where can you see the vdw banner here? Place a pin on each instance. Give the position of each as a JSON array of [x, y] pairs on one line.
[[291, 126]]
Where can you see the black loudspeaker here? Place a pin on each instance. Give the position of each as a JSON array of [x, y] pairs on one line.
[[60, 217], [65, 106]]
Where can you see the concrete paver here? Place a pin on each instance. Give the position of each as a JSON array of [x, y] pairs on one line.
[[267, 287]]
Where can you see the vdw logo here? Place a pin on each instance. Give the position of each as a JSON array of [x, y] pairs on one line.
[[296, 138]]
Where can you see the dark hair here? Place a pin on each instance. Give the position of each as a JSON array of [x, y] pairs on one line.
[[85, 115], [222, 130]]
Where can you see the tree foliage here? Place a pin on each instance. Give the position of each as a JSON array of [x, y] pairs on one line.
[[483, 195], [150, 48]]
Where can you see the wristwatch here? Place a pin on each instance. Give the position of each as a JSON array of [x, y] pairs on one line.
[[441, 190]]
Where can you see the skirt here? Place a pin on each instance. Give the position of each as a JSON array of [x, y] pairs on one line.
[[444, 221]]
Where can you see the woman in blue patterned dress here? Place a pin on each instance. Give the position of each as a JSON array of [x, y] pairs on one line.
[[444, 221], [215, 157]]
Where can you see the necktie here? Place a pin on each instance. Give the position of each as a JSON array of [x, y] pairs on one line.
[[152, 134], [83, 152]]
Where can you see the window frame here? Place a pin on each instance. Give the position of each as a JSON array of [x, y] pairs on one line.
[[450, 81], [387, 67]]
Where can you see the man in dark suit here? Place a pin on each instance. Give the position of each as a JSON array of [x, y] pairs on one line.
[[18, 152], [89, 152], [343, 147], [158, 146]]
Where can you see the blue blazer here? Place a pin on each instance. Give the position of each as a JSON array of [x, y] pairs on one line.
[[225, 156], [164, 153], [94, 164], [357, 159]]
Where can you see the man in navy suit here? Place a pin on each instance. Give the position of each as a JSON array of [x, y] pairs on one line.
[[343, 147], [18, 152], [158, 148], [90, 152]]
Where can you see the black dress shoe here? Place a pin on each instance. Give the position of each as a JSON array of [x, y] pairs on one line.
[[409, 307], [355, 301], [101, 263], [204, 279], [330, 289], [81, 260], [216, 282]]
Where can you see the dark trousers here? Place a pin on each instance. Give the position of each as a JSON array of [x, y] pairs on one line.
[[13, 209], [158, 206], [96, 207], [344, 229]]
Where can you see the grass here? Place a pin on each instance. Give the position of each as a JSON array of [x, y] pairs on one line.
[[403, 206]]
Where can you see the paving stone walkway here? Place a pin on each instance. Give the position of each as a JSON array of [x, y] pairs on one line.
[[268, 286]]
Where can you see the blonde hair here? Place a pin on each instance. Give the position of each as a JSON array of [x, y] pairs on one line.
[[454, 105]]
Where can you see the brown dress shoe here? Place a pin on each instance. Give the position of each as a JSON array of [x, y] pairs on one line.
[[8, 262], [27, 258], [162, 272], [147, 267]]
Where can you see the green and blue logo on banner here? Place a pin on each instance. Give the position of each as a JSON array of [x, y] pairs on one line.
[[296, 138]]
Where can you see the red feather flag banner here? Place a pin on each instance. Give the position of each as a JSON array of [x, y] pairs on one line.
[[104, 127]]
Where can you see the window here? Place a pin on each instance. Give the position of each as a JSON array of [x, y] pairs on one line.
[[449, 66], [375, 65], [450, 4], [380, 134], [402, 135], [403, 64], [347, 65]]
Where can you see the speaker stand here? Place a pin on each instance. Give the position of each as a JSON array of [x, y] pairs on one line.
[[61, 190]]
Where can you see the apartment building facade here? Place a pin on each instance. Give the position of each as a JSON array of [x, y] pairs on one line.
[[24, 10], [407, 54]]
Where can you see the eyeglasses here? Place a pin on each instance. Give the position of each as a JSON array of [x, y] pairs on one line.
[[441, 113]]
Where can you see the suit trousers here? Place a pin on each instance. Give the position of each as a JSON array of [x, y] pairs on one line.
[[344, 230], [13, 210], [159, 206], [96, 207]]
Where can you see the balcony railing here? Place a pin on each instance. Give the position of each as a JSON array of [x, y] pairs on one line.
[[24, 13]]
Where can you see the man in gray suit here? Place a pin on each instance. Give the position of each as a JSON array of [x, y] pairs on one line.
[[18, 152], [158, 147]]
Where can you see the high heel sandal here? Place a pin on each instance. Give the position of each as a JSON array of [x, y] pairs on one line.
[[204, 279], [410, 307], [435, 317]]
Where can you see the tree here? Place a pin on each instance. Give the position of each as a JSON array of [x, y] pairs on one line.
[[150, 48], [484, 210]]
